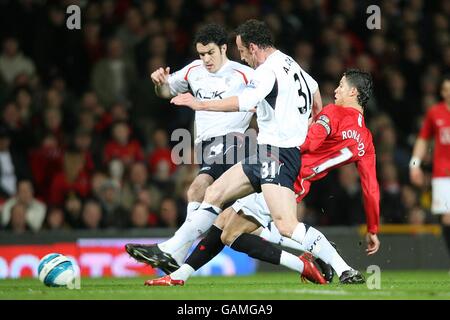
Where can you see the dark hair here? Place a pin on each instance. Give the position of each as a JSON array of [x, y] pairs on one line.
[[257, 32], [211, 33], [362, 81]]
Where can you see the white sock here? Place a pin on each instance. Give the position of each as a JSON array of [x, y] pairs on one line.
[[290, 261], [299, 232], [191, 207], [272, 235], [315, 242], [199, 222], [183, 273], [180, 254]]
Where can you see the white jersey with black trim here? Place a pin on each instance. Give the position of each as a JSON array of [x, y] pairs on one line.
[[228, 81], [283, 94]]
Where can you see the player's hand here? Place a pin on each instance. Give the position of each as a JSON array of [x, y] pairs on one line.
[[186, 99], [373, 244], [416, 176], [160, 76]]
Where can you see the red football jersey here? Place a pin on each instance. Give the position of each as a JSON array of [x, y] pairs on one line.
[[339, 136], [437, 125]]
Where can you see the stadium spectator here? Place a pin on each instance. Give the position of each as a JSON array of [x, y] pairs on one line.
[[91, 215], [141, 217], [136, 183], [168, 214], [13, 166], [160, 158], [46, 160], [114, 215], [55, 219], [121, 146], [72, 210], [13, 62], [114, 76], [34, 209], [73, 179], [18, 223]]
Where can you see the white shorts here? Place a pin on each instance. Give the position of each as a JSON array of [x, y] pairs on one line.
[[254, 206], [440, 188]]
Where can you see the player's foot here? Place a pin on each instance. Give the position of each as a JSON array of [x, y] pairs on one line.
[[152, 255], [327, 269], [352, 277], [310, 271], [165, 281]]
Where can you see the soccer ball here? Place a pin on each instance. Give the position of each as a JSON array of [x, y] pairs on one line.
[[56, 270]]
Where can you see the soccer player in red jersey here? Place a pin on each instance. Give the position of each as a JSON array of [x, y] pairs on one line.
[[337, 137], [436, 126]]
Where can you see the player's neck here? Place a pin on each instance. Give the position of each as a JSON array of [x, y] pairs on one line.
[[264, 54], [354, 105]]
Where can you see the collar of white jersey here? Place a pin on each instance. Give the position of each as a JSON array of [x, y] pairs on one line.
[[222, 68]]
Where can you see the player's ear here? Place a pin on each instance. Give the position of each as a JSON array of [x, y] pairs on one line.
[[223, 48]]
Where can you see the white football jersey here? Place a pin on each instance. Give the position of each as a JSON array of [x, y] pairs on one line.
[[283, 94], [229, 81]]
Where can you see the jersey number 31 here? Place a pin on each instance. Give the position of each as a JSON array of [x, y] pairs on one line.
[[307, 99]]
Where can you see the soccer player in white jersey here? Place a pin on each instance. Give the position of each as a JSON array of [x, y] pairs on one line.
[[284, 95], [212, 77]]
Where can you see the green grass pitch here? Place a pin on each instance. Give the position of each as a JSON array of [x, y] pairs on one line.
[[261, 286]]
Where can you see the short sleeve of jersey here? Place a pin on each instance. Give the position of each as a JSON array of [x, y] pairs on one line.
[[427, 130], [178, 81], [260, 85]]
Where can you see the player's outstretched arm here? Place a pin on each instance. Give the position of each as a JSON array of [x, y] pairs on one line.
[[229, 104]]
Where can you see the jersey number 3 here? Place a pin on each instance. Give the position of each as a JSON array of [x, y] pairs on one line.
[[307, 99]]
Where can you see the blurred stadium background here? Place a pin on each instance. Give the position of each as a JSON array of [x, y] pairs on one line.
[[68, 97]]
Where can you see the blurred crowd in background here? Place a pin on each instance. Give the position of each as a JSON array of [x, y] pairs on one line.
[[85, 142]]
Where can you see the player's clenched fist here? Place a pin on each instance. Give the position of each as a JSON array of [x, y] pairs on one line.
[[160, 76]]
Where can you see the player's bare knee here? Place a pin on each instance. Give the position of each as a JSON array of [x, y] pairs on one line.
[[284, 228], [214, 195], [222, 219], [228, 236], [196, 191]]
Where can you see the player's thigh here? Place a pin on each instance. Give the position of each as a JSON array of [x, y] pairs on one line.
[[223, 217], [282, 205], [237, 224], [231, 185], [197, 189]]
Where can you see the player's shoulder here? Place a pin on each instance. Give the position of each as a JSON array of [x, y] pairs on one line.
[[437, 108], [331, 110], [241, 70], [241, 67], [189, 69], [193, 65]]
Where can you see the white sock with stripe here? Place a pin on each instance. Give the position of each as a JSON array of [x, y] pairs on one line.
[[199, 222]]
